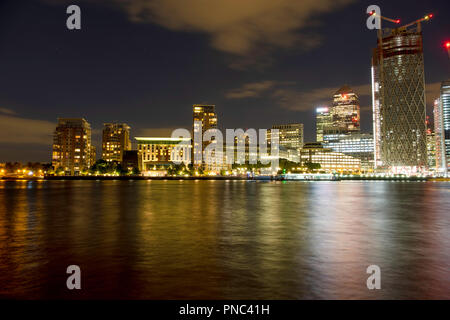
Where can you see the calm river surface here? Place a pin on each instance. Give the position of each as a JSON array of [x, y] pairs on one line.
[[224, 239]]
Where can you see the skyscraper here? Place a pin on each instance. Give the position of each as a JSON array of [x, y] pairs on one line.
[[445, 107], [72, 146], [431, 145], [376, 107], [398, 92], [441, 163], [345, 112], [324, 120], [208, 117], [116, 140]]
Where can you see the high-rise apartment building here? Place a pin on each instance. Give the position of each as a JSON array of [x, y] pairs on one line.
[[204, 118], [72, 146], [398, 95], [115, 140]]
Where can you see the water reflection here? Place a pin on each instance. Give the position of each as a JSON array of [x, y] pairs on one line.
[[224, 239]]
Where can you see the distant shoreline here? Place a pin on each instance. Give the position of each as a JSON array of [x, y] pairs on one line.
[[50, 178], [91, 178]]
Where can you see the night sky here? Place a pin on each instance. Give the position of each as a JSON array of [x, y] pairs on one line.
[[261, 62]]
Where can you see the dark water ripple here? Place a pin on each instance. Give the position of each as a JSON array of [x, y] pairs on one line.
[[224, 239]]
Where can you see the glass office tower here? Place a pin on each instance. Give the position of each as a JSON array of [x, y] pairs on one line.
[[323, 120], [445, 107], [345, 111]]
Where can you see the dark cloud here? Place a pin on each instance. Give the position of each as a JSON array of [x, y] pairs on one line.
[[250, 90], [236, 26], [21, 130], [7, 111]]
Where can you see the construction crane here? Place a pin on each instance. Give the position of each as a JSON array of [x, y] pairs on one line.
[[404, 27], [418, 21], [373, 13], [380, 30], [397, 21]]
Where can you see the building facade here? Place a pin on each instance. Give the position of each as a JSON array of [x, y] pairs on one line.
[[93, 155], [356, 145], [72, 152], [345, 112], [115, 141], [431, 150], [398, 94], [445, 107], [157, 154], [130, 160], [204, 118], [289, 135], [439, 134], [329, 160], [324, 120], [376, 107]]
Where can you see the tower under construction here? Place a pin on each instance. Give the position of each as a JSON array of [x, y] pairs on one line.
[[398, 93]]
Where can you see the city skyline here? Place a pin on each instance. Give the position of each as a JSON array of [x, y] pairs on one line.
[[132, 88], [218, 151]]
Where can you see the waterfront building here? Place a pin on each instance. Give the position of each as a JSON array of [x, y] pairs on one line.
[[115, 140], [329, 160], [431, 145], [156, 154], [398, 96], [289, 135], [431, 150], [93, 155], [72, 146], [130, 160], [376, 108], [439, 135], [250, 150], [205, 114], [324, 120], [290, 140], [357, 145], [445, 107], [290, 154]]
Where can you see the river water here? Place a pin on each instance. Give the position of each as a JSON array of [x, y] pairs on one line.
[[224, 239]]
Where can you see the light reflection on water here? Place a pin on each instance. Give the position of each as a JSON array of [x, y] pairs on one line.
[[224, 239]]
